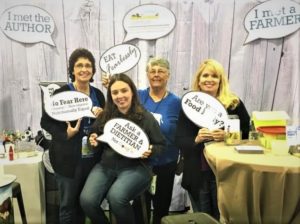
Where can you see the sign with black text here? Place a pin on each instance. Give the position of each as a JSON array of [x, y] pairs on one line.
[[125, 137], [204, 110]]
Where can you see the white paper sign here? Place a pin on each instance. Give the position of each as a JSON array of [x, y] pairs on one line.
[[125, 137], [204, 110], [27, 24], [272, 19], [69, 106], [148, 22], [120, 58]]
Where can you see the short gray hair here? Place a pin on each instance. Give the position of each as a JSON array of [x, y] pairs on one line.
[[162, 62]]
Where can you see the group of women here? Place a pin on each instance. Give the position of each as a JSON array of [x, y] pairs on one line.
[[86, 177]]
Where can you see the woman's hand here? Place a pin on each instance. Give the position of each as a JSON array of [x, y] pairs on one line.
[[203, 135], [147, 153], [218, 135], [97, 111], [105, 78], [73, 131], [93, 140]]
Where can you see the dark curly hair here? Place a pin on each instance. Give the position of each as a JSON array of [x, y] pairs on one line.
[[80, 53]]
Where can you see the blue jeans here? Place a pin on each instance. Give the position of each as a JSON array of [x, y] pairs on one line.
[[207, 199], [66, 189], [119, 186]]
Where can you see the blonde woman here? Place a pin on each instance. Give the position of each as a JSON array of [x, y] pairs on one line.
[[198, 179]]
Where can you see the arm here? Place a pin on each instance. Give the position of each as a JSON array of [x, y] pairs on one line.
[[186, 134], [244, 117], [156, 138]]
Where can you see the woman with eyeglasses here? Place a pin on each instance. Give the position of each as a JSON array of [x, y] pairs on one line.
[[70, 155], [198, 179]]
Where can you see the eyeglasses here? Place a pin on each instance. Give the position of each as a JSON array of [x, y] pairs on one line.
[[159, 71], [80, 66]]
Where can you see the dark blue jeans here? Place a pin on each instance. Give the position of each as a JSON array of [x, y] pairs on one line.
[[69, 190], [118, 186], [207, 201]]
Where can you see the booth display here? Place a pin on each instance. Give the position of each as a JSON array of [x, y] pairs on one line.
[[255, 188]]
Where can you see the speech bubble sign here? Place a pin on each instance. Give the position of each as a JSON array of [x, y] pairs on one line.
[[272, 19], [148, 22], [204, 110], [125, 137], [120, 58], [69, 106], [27, 24]]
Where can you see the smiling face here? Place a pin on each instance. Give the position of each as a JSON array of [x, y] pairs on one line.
[[158, 77], [209, 82], [121, 95], [83, 70]]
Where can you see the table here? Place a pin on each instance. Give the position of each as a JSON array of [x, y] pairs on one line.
[[255, 188], [30, 174]]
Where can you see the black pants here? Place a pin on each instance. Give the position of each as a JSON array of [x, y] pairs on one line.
[[163, 194]]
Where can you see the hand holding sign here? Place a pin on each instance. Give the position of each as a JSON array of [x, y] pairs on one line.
[[125, 137], [69, 106], [204, 110]]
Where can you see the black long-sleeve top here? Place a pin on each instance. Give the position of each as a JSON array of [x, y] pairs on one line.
[[65, 153], [194, 160]]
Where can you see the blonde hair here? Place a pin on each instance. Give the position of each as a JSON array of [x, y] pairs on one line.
[[153, 61], [224, 94]]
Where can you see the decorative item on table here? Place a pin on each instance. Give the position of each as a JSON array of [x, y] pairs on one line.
[[271, 125], [233, 134], [293, 137]]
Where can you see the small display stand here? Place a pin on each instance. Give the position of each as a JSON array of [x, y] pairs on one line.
[[6, 202]]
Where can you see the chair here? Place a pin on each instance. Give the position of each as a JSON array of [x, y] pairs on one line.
[[142, 199], [17, 193]]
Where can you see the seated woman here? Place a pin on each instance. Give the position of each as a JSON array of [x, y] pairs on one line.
[[117, 178]]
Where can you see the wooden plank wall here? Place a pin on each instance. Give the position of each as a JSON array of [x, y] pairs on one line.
[[264, 73]]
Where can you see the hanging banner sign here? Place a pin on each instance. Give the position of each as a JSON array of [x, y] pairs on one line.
[[125, 137], [272, 19], [27, 24], [204, 110], [148, 22]]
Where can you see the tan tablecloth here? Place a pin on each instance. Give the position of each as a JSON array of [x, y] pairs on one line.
[[30, 174], [255, 188]]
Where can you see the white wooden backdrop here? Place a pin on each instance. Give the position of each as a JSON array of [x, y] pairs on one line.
[[264, 73]]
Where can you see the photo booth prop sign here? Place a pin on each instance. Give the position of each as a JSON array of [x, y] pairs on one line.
[[148, 22], [69, 106], [27, 24], [204, 110], [120, 58], [272, 19], [125, 137]]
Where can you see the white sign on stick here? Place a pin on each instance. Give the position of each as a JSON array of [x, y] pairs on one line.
[[125, 137], [204, 110]]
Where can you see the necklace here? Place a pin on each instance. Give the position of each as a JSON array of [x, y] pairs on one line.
[[157, 103], [87, 92]]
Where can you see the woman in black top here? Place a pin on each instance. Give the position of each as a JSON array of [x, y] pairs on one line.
[[71, 164], [198, 178]]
